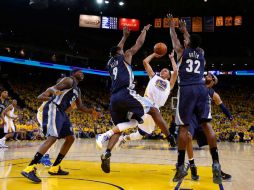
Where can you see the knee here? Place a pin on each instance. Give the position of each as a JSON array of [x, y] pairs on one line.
[[70, 139]]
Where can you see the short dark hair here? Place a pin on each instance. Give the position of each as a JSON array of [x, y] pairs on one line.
[[74, 70], [113, 50], [195, 41]]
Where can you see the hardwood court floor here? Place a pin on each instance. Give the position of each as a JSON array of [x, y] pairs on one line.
[[139, 165]]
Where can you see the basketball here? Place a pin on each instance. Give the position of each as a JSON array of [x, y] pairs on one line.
[[160, 48]]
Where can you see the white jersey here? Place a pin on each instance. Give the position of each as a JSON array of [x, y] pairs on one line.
[[9, 125], [157, 91]]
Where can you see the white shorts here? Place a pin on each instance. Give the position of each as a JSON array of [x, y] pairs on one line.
[[149, 125], [9, 126]]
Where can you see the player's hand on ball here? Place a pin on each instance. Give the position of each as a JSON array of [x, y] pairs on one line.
[[157, 55], [171, 55], [126, 31], [147, 27]]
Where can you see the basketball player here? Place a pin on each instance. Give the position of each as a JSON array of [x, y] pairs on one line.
[[3, 105], [193, 99], [126, 107], [194, 131], [45, 160], [9, 127], [157, 92], [56, 123]]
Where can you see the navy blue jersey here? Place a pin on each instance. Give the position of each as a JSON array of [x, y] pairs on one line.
[[191, 68], [67, 98], [3, 105], [121, 73], [211, 92]]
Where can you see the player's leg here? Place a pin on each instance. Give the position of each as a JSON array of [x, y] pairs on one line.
[[203, 110], [127, 109], [193, 167], [9, 130], [45, 160], [50, 128], [185, 107], [66, 132], [138, 135], [117, 117], [158, 119]]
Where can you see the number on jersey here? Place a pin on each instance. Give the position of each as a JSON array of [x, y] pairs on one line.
[[115, 71], [192, 64]]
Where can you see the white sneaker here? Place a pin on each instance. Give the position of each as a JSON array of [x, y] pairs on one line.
[[120, 142], [101, 139], [2, 144]]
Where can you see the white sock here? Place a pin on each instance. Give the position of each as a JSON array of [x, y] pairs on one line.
[[109, 133], [127, 125]]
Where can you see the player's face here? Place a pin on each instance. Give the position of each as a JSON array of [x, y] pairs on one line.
[[164, 74], [209, 80], [79, 75], [14, 103], [4, 94]]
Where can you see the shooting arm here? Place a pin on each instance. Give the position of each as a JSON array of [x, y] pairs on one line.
[[148, 68]]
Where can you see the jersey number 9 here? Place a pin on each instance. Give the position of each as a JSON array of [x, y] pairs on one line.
[[115, 71]]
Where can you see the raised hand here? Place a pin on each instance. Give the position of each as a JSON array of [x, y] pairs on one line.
[[126, 31], [147, 27], [182, 26], [171, 55], [170, 20]]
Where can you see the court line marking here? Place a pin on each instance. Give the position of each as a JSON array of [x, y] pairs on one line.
[[80, 179], [221, 186]]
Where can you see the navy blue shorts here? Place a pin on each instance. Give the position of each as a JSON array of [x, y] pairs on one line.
[[126, 104], [55, 122], [193, 99]]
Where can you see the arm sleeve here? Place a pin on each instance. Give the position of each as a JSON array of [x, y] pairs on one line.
[[226, 111]]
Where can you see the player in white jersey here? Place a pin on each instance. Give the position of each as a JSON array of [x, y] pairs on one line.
[[157, 92], [9, 127]]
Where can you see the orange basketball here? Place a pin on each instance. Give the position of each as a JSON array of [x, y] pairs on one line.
[[160, 48]]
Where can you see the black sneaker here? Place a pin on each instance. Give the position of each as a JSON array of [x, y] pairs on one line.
[[180, 173], [172, 141], [105, 162], [56, 170], [216, 173], [194, 172], [225, 176], [30, 173]]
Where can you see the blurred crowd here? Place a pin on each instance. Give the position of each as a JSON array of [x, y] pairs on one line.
[[239, 100]]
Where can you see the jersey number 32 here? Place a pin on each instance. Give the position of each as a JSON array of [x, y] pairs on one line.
[[191, 65]]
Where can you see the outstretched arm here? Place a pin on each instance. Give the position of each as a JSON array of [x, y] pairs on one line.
[[175, 70], [184, 30], [139, 42], [217, 100], [147, 65], [126, 33], [56, 90], [175, 41]]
